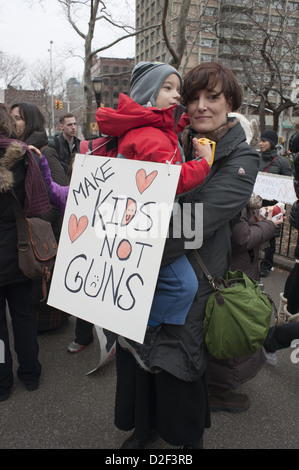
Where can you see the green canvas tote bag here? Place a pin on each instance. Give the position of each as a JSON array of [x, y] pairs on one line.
[[237, 315]]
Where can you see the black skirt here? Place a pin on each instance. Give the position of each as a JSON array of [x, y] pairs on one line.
[[178, 410]]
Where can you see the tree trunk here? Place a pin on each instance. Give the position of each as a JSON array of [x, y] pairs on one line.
[[262, 117], [275, 121]]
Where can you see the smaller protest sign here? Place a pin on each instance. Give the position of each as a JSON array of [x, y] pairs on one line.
[[270, 186]]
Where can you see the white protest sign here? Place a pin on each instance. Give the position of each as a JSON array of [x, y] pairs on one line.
[[112, 240], [270, 186]]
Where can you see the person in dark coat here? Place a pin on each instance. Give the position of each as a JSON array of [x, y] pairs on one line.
[[247, 236], [18, 172], [174, 403], [66, 144], [271, 162], [289, 299], [30, 127], [226, 375]]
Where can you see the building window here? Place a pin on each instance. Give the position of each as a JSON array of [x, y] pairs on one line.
[[206, 57]]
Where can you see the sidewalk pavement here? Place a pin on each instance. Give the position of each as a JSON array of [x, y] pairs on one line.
[[72, 410]]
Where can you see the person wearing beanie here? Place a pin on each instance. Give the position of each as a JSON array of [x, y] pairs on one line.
[[271, 162], [270, 136]]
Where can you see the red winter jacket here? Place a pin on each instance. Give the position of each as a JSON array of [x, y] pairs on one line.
[[148, 134]]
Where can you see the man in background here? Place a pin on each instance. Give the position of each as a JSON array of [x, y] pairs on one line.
[[67, 143]]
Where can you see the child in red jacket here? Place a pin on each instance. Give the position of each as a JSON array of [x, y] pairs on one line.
[[146, 125]]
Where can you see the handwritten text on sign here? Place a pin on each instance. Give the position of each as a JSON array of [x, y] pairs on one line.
[[112, 241], [270, 186]]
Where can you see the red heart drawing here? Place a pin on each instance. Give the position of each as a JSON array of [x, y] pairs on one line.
[[143, 181], [77, 228]]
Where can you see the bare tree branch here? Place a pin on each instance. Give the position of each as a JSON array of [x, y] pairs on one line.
[[12, 69]]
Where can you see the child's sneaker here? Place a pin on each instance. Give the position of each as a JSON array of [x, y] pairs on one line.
[[141, 352], [271, 357]]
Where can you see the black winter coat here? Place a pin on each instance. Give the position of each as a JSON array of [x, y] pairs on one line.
[[62, 148], [280, 166], [180, 350]]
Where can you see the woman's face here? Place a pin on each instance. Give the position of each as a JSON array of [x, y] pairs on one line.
[[208, 110], [19, 121], [265, 145]]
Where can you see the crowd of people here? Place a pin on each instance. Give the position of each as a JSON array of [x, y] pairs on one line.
[[166, 387]]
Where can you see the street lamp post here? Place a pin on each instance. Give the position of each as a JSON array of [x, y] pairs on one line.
[[97, 83]]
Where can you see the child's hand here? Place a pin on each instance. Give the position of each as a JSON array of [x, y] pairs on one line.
[[36, 151], [276, 220], [203, 150]]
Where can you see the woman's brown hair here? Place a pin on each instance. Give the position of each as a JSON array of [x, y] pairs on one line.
[[206, 76], [7, 124]]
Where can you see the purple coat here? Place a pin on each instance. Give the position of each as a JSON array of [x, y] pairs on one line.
[[58, 194]]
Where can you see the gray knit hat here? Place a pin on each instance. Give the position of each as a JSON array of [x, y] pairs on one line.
[[147, 79]]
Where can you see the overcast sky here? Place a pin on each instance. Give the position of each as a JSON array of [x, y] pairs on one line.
[[26, 32]]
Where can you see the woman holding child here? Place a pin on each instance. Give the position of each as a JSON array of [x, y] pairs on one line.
[[171, 401]]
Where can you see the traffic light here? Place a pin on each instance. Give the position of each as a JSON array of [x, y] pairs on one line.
[[280, 139], [58, 104]]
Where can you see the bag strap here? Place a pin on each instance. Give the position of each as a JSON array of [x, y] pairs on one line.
[[218, 281], [266, 169], [204, 268]]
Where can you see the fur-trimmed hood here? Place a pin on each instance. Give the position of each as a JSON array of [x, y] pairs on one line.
[[36, 194], [13, 154]]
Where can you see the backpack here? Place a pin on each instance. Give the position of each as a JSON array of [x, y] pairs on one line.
[[103, 146]]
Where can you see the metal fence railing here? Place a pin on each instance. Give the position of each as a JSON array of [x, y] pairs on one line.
[[285, 245]]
